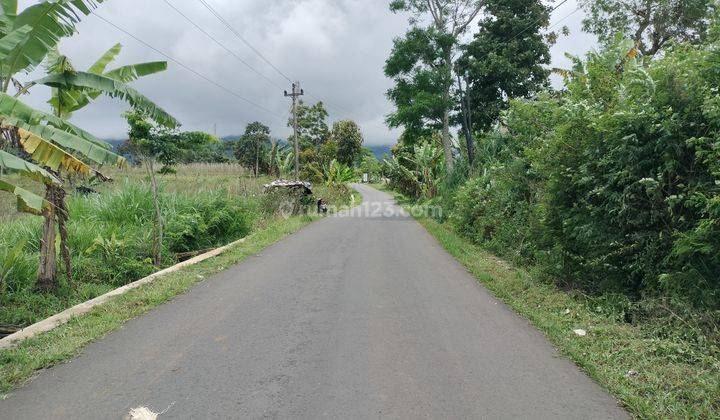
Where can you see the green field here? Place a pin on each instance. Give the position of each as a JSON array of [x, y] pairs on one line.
[[110, 232]]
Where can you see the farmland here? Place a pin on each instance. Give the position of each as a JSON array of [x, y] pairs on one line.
[[110, 231]]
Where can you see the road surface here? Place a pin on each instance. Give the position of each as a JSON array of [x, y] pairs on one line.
[[363, 316]]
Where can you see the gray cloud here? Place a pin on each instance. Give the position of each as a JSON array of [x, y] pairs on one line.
[[336, 48]]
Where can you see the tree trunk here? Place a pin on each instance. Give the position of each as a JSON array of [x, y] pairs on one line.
[[465, 107], [446, 142], [47, 270], [158, 240], [257, 159]]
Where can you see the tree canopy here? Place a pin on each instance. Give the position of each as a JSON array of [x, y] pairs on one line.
[[346, 134], [650, 23], [498, 64]]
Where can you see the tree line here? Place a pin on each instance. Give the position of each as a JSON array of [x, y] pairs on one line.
[[608, 184], [321, 146]]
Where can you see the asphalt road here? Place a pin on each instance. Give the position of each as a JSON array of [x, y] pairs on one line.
[[363, 316]]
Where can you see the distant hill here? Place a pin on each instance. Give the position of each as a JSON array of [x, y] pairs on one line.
[[380, 150], [115, 142]]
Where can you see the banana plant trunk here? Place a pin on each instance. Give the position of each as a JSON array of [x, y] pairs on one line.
[[47, 270], [47, 279]]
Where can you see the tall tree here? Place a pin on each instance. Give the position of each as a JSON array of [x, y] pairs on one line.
[[346, 134], [252, 147], [312, 124], [498, 64], [416, 66], [450, 18], [650, 23]]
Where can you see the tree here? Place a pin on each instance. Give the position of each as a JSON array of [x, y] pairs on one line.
[[498, 64], [198, 146], [650, 23], [252, 147], [26, 39], [416, 66], [71, 91], [369, 164], [450, 18], [152, 144], [349, 141], [312, 124]]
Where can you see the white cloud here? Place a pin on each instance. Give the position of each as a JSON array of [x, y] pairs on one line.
[[336, 48]]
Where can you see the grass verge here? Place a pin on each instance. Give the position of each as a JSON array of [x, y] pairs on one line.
[[66, 341], [653, 376]]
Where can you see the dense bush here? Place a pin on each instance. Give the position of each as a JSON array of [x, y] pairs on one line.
[[613, 184]]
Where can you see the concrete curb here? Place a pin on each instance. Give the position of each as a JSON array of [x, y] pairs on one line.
[[58, 319]]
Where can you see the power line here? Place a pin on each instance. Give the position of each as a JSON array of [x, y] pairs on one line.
[[237, 34], [566, 16], [265, 59], [540, 19], [188, 68], [536, 22], [231, 52]]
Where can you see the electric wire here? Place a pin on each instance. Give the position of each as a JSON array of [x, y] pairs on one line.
[[224, 21], [231, 52], [188, 68]]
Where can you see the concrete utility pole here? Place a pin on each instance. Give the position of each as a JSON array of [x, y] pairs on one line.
[[296, 91]]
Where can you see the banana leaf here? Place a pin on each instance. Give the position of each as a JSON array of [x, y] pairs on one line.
[[99, 66], [26, 201], [13, 163], [47, 154], [67, 140], [8, 13], [14, 107], [9, 42], [73, 99], [112, 88], [50, 21]]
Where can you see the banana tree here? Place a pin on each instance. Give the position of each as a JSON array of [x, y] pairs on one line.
[[66, 101], [283, 160], [26, 39], [429, 164]]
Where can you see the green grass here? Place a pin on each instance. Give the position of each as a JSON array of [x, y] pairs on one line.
[[110, 233], [674, 378], [65, 342]]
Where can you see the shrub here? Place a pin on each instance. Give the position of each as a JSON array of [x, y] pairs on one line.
[[612, 186]]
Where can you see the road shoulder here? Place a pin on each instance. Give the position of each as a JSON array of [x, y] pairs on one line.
[[63, 343]]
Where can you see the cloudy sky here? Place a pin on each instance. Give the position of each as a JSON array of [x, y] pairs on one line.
[[336, 48]]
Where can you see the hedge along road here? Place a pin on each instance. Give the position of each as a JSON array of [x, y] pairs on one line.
[[362, 316]]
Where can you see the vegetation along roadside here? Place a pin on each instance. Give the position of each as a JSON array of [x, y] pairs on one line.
[[654, 368], [66, 341]]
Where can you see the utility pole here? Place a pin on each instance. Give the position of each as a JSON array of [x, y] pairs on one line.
[[296, 91]]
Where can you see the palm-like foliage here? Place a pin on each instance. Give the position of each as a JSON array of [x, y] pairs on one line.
[[26, 38], [73, 90], [284, 161], [422, 173], [428, 161], [55, 145], [335, 173], [38, 29]]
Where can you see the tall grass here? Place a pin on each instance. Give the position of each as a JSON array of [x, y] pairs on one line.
[[110, 233]]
